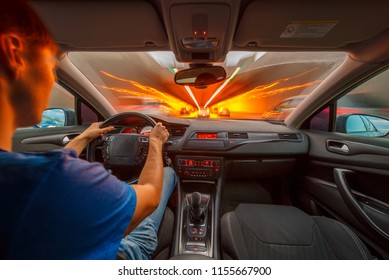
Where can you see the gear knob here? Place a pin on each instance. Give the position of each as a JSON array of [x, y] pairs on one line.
[[196, 211], [196, 200]]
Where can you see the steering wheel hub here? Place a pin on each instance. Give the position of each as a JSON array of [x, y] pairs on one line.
[[125, 149]]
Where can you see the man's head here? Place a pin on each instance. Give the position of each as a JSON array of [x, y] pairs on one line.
[[27, 61]]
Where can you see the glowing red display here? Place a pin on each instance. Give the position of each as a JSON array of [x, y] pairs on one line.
[[206, 135]]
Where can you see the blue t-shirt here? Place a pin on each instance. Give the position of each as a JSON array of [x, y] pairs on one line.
[[56, 206]]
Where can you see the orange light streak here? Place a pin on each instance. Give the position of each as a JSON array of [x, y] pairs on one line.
[[261, 91], [150, 92], [192, 96], [241, 102], [277, 91]]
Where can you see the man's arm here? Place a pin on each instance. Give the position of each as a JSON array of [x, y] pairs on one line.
[[149, 188], [92, 132]]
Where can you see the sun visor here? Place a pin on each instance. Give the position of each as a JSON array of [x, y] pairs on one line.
[[103, 24], [325, 24]]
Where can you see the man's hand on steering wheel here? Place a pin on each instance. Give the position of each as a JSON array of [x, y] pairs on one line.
[[92, 132], [159, 133]]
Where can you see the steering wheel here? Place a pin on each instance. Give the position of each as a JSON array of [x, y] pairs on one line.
[[121, 149]]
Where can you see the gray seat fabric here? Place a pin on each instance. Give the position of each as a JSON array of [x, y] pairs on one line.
[[259, 231]]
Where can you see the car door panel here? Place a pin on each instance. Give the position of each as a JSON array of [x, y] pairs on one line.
[[44, 139], [352, 186]]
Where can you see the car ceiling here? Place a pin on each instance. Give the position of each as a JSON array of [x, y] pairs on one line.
[[256, 25]]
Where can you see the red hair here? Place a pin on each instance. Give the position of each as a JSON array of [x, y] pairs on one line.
[[18, 18]]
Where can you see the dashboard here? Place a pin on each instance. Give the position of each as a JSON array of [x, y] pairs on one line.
[[224, 137], [204, 149]]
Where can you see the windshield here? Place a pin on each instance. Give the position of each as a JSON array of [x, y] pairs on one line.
[[259, 85]]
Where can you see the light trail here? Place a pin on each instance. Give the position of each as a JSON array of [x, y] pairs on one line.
[[192, 96], [222, 86], [149, 92], [187, 88]]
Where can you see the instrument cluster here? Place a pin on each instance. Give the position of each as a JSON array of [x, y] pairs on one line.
[[137, 129]]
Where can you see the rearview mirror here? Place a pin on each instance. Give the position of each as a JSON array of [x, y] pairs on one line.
[[200, 76]]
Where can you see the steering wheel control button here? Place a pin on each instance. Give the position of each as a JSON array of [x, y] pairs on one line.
[[144, 139], [107, 141], [108, 137]]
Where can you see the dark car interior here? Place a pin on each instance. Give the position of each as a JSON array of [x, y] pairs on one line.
[[248, 189]]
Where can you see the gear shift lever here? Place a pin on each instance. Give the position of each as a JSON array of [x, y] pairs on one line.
[[196, 212]]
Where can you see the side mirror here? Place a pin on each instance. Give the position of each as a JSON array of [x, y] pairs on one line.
[[362, 125], [200, 76], [57, 117]]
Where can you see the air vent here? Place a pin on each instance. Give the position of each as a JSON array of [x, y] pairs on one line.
[[178, 131], [288, 136], [237, 135]]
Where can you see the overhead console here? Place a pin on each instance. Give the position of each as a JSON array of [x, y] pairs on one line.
[[200, 33]]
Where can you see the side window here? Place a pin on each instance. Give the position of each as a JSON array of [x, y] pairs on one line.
[[64, 109], [61, 98], [321, 121], [364, 111], [60, 111], [87, 115]]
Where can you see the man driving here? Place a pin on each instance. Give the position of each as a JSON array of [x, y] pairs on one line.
[[55, 205]]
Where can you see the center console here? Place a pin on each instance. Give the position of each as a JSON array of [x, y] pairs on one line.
[[199, 167], [199, 196], [197, 225]]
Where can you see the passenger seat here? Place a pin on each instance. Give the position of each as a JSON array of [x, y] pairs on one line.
[[278, 232]]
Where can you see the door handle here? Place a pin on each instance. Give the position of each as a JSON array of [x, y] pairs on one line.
[[337, 147], [68, 138], [340, 176]]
